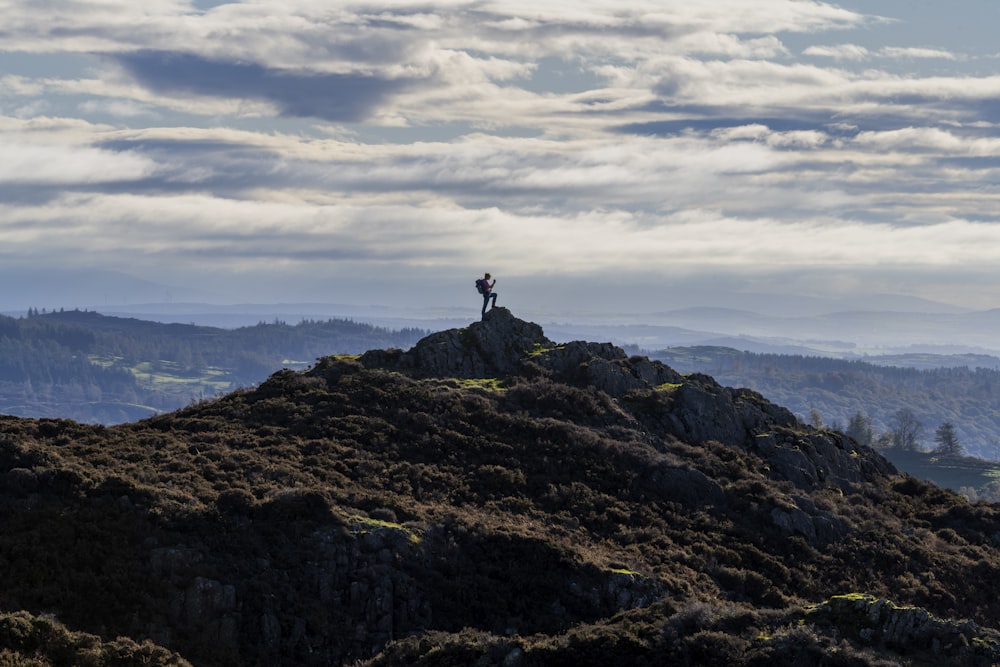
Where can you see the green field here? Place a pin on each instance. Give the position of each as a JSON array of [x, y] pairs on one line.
[[170, 377]]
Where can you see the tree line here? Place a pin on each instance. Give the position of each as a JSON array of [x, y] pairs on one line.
[[906, 432]]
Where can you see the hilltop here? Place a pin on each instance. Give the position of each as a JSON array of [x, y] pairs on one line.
[[486, 497]]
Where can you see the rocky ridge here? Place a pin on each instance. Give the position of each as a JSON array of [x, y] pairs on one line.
[[490, 497], [694, 408]]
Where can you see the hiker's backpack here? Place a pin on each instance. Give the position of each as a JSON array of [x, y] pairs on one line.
[[481, 285]]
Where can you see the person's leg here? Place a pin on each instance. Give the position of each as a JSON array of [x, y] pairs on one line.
[[494, 295], [486, 300]]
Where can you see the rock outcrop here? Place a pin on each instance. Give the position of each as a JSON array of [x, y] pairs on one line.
[[692, 408], [494, 347], [909, 630], [501, 346]]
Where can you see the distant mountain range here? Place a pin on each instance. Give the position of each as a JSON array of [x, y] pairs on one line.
[[849, 335], [759, 322], [52, 288], [857, 334]]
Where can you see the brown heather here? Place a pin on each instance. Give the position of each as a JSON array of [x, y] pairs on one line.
[[485, 498]]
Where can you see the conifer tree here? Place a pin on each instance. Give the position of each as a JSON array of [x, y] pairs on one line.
[[947, 441], [860, 428]]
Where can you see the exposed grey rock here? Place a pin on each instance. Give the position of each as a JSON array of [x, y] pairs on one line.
[[502, 345], [493, 347], [604, 366], [514, 658], [688, 485], [908, 629], [170, 560], [701, 410], [208, 604], [362, 574], [794, 520]]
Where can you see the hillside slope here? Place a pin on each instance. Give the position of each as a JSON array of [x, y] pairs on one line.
[[489, 497], [965, 394]]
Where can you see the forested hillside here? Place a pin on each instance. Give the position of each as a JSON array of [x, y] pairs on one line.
[[93, 368], [849, 395]]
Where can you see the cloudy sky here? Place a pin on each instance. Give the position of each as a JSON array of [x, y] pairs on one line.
[[593, 154]]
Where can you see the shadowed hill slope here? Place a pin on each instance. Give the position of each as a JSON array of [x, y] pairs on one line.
[[489, 497]]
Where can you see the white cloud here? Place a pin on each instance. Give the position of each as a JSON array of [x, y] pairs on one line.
[[454, 54], [915, 52], [11, 86], [929, 139], [191, 230], [120, 108], [687, 134], [403, 39], [37, 163], [839, 52]]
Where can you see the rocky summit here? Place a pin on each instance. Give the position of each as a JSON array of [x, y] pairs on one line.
[[487, 497]]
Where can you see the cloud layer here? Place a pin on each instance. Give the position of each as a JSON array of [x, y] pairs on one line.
[[365, 143]]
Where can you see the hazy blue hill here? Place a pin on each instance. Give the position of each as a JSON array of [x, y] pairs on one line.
[[929, 361], [49, 286], [95, 368], [130, 326], [837, 332]]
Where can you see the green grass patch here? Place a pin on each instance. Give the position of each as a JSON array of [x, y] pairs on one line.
[[366, 523], [538, 349], [486, 384], [489, 384], [169, 376]]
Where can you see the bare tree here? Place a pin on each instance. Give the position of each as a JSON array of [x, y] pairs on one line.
[[906, 429]]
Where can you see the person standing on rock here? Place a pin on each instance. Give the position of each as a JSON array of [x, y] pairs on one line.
[[486, 289]]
